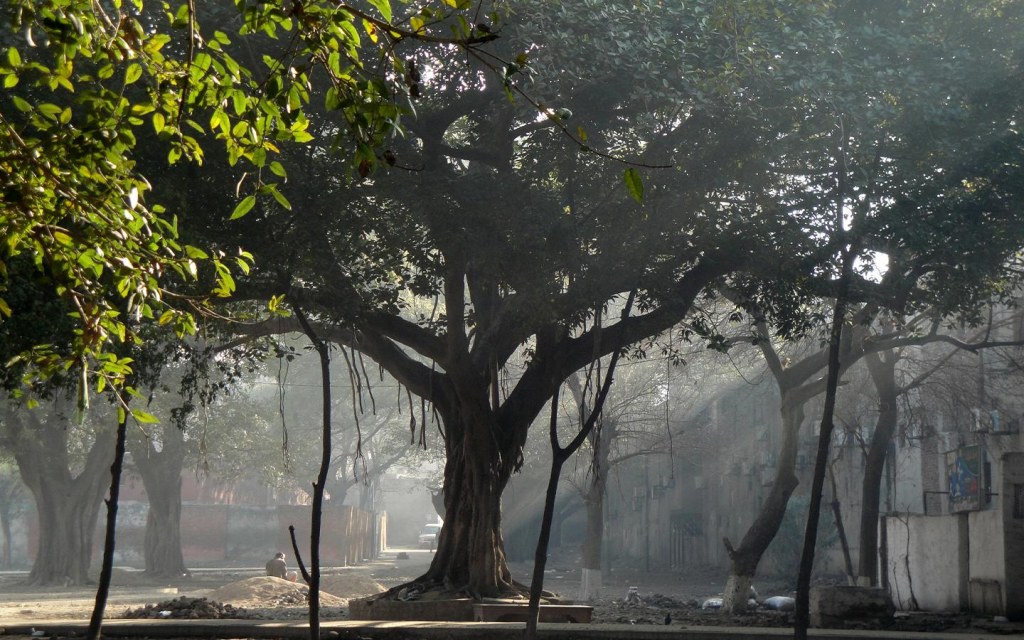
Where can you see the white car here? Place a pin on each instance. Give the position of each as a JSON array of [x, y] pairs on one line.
[[428, 536]]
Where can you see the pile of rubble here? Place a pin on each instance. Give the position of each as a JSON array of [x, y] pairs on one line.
[[186, 608]]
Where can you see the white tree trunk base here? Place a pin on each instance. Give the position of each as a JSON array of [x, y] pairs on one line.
[[590, 585], [737, 592]]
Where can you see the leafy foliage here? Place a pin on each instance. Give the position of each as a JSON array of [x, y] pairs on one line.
[[85, 82]]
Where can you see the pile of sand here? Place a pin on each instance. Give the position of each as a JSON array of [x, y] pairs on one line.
[[350, 585], [266, 591]]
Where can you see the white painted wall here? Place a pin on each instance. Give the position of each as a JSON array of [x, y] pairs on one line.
[[928, 547], [908, 487], [988, 559]]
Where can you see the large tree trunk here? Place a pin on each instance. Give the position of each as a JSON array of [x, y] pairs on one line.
[[161, 476], [67, 506], [481, 456], [883, 374], [163, 556], [745, 558]]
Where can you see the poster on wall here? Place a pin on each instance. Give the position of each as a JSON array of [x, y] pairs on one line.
[[964, 468]]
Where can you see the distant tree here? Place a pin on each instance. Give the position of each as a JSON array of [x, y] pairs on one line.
[[66, 468]]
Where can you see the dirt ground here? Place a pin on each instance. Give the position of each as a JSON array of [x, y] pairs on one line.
[[665, 597]]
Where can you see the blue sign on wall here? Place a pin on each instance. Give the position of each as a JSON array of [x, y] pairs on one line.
[[965, 470]]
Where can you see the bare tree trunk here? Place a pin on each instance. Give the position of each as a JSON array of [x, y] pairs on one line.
[[837, 517], [559, 455], [321, 481], [540, 557], [745, 558], [883, 373], [10, 492], [470, 554], [593, 543], [161, 476], [802, 614], [796, 387], [163, 555], [67, 506], [5, 527], [96, 621], [594, 499]]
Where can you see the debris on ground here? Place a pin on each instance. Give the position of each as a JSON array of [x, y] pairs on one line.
[[780, 603], [712, 604], [186, 608]]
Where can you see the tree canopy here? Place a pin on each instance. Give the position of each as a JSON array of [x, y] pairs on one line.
[[648, 150]]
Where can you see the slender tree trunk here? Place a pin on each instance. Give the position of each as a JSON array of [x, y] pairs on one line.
[[321, 481], [96, 621], [5, 527], [837, 516], [593, 543], [540, 558], [559, 455], [803, 586], [883, 373], [10, 493], [745, 558]]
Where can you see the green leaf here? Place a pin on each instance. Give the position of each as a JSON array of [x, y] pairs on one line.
[[243, 207], [195, 253], [281, 200], [14, 57], [158, 122], [144, 417], [384, 6], [4, 309], [133, 73], [634, 184]]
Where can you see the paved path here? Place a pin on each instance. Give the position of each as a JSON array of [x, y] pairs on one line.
[[406, 630]]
